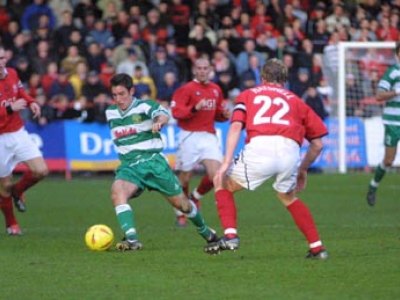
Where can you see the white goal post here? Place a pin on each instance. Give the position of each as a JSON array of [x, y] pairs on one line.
[[343, 67]]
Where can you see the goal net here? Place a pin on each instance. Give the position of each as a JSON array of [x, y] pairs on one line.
[[355, 123]]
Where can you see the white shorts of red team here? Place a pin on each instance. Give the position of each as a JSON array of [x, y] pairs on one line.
[[194, 147], [16, 147], [265, 157]]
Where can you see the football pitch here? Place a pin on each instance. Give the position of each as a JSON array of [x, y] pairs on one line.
[[51, 261]]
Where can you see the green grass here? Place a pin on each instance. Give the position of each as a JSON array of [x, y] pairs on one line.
[[50, 261]]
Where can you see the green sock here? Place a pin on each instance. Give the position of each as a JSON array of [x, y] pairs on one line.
[[197, 219], [379, 173], [126, 221]]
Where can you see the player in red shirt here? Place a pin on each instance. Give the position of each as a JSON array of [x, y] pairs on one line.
[[196, 106], [15, 144], [276, 122]]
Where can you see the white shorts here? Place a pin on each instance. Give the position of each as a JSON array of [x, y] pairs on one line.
[[16, 147], [194, 147], [264, 157]]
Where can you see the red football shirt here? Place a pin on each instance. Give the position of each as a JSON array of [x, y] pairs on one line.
[[270, 109], [187, 96], [11, 89]]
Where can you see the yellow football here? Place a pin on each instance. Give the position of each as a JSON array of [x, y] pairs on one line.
[[99, 237]]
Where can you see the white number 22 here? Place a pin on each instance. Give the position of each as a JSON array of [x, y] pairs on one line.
[[277, 117]]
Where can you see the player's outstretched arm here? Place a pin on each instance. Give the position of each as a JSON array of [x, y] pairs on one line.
[[159, 122]]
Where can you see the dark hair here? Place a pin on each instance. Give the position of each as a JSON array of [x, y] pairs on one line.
[[275, 71], [122, 79]]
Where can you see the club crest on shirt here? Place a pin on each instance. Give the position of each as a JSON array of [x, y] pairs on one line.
[[215, 92], [136, 118], [15, 88], [197, 93]]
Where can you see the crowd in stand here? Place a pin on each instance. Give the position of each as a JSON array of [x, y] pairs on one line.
[[66, 51]]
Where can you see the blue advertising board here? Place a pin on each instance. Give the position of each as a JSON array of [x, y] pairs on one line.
[[89, 146], [356, 156]]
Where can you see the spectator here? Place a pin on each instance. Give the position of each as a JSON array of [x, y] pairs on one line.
[[154, 26], [316, 15], [85, 8], [93, 87], [47, 111], [221, 63], [302, 82], [121, 52], [228, 32], [32, 14], [101, 35], [137, 13], [242, 62], [338, 17], [331, 62], [97, 111], [180, 18], [59, 7], [107, 72], [167, 88], [110, 9], [144, 84], [16, 8], [49, 77], [226, 83], [95, 57], [244, 25], [61, 86], [292, 41], [128, 65], [7, 36], [314, 100], [120, 27], [223, 45], [386, 32], [76, 39], [34, 88], [62, 33], [24, 69], [172, 54], [304, 57], [78, 78], [254, 69], [72, 59], [63, 110], [288, 61], [200, 41], [20, 48], [161, 65], [247, 80], [43, 57]]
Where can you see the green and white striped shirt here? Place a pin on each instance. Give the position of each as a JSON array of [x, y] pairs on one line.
[[131, 129], [389, 81]]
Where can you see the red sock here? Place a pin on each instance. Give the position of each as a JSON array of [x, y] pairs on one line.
[[304, 221], [24, 183], [205, 185], [6, 207], [227, 212]]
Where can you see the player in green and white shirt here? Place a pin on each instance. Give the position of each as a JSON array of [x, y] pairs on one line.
[[388, 92], [135, 126]]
